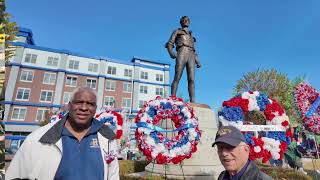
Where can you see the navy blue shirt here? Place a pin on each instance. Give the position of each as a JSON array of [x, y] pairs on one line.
[[239, 174], [81, 160]]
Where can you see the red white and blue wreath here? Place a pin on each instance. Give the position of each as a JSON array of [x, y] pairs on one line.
[[308, 101], [154, 144], [57, 116], [112, 119], [264, 144]]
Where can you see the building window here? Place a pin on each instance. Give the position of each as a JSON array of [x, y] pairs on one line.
[[19, 113], [112, 70], [127, 87], [159, 91], [52, 61], [23, 94], [71, 81], [49, 78], [93, 67], [141, 103], [91, 83], [30, 58], [143, 75], [73, 64], [46, 96], [42, 114], [26, 76], [126, 103], [159, 77], [66, 97], [110, 85], [109, 101], [127, 72], [144, 89]]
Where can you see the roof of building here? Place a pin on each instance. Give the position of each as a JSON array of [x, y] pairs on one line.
[[30, 44]]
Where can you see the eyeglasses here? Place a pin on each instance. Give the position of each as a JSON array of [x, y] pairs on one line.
[[228, 148]]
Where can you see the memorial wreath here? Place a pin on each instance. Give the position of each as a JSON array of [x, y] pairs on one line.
[[112, 119], [308, 102], [266, 141], [156, 145]]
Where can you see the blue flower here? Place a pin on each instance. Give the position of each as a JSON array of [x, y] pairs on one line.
[[152, 111], [248, 138], [184, 140], [109, 120], [168, 106], [232, 113], [198, 137], [162, 104], [155, 137], [262, 101], [277, 135], [288, 140]]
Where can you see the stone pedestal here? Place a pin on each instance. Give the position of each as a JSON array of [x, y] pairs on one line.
[[204, 164]]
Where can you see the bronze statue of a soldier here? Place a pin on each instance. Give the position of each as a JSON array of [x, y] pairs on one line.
[[185, 55]]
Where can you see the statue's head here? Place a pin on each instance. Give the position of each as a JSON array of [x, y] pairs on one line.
[[184, 21]]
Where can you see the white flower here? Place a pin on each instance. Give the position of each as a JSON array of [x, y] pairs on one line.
[[257, 149], [253, 104], [192, 134], [275, 155], [277, 120], [267, 147]]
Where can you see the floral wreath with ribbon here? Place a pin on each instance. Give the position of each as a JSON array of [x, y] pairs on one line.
[[308, 102], [112, 119], [57, 116], [268, 141], [153, 144]]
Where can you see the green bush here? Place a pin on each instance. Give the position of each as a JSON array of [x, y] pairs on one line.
[[127, 167], [281, 173]]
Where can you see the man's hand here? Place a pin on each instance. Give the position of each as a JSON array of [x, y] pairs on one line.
[[173, 55]]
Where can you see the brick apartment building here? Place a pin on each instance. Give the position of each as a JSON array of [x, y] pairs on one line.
[[40, 79]]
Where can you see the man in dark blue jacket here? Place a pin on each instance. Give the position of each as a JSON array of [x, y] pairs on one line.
[[234, 156]]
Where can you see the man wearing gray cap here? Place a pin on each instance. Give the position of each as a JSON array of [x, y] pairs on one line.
[[234, 156]]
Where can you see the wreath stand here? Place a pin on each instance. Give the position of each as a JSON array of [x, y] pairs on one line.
[[164, 125]]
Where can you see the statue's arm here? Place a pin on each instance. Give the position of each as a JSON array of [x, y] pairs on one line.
[[196, 56], [170, 44], [197, 60]]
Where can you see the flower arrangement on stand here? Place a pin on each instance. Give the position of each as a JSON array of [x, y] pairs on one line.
[[308, 101], [57, 116], [263, 143], [153, 143], [112, 119]]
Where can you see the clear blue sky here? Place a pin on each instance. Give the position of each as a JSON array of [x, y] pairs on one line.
[[233, 37]]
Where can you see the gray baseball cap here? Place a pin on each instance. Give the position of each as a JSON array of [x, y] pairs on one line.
[[229, 135]]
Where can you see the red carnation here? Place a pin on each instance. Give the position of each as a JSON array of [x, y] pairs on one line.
[[177, 159], [147, 152], [283, 147], [289, 133], [237, 101], [161, 159], [97, 115], [193, 148], [119, 134], [285, 123]]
